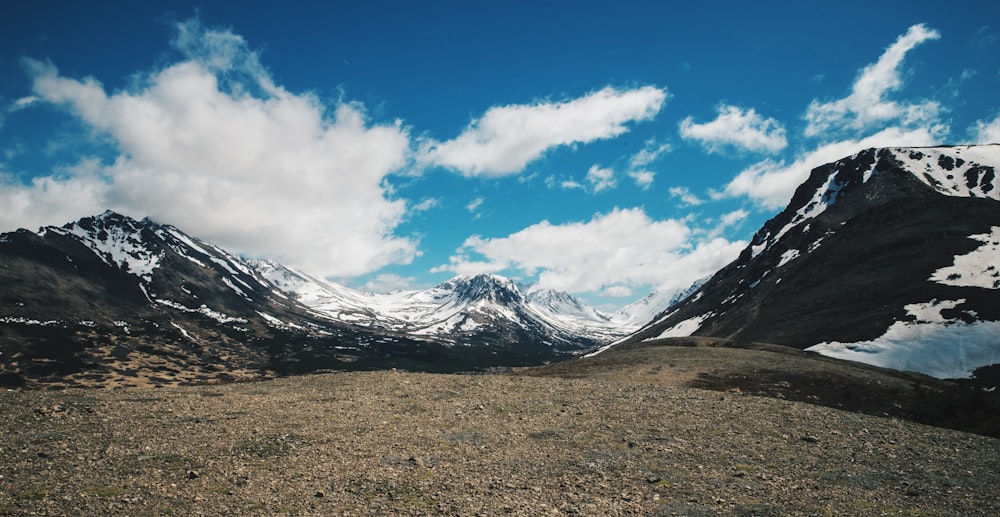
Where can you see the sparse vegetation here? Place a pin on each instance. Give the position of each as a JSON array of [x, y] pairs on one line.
[[490, 444]]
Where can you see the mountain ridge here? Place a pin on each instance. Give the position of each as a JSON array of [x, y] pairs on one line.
[[109, 300], [855, 252], [462, 309]]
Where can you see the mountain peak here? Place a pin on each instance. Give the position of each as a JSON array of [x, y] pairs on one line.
[[895, 173], [485, 286]]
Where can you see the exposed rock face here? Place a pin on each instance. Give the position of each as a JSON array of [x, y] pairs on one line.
[[871, 256]]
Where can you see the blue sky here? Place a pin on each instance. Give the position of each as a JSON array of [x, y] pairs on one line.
[[602, 148]]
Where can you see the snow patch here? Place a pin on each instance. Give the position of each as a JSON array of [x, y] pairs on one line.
[[788, 256], [203, 310], [275, 322], [684, 328], [979, 268], [184, 332], [121, 248], [226, 280], [28, 321], [931, 344], [963, 171]]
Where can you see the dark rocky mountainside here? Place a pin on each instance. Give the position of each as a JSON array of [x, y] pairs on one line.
[[869, 248]]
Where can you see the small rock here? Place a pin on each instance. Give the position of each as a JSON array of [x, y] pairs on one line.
[[810, 439], [193, 474], [318, 494]]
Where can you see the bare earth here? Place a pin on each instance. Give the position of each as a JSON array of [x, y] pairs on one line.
[[402, 443]]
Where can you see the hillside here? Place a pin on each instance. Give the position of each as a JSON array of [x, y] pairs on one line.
[[786, 373], [887, 257]]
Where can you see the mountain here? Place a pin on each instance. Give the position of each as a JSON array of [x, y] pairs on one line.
[[646, 309], [888, 257], [109, 301], [466, 310]]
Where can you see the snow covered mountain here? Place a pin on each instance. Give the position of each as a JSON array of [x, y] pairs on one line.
[[888, 257], [109, 300], [466, 310], [646, 309]]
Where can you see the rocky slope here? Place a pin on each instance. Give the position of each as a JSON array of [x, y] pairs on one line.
[[888, 257]]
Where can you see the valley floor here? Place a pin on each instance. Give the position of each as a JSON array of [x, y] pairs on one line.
[[389, 442]]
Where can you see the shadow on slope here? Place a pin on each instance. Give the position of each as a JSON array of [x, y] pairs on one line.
[[761, 369]]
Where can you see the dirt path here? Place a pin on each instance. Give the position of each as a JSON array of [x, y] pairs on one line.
[[399, 443]]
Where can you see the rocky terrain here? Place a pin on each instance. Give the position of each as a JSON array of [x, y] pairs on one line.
[[139, 369], [635, 438], [888, 257]]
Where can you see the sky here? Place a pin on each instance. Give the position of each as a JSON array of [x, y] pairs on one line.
[[603, 148]]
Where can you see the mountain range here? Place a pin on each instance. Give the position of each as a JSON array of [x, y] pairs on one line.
[[888, 257], [479, 309], [108, 299]]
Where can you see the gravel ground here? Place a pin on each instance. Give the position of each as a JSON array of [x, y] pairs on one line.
[[399, 443]]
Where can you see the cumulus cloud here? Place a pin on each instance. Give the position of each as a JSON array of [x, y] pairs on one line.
[[738, 128], [212, 145], [987, 131], [868, 105], [619, 250], [506, 138], [74, 191], [771, 184], [601, 178]]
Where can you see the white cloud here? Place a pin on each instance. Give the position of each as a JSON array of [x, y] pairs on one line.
[[387, 283], [212, 145], [732, 218], [735, 127], [727, 221], [601, 178], [506, 138], [425, 204], [867, 106], [474, 205], [685, 195], [73, 192], [771, 184], [643, 178], [637, 165], [617, 291], [987, 132], [618, 250], [650, 152]]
